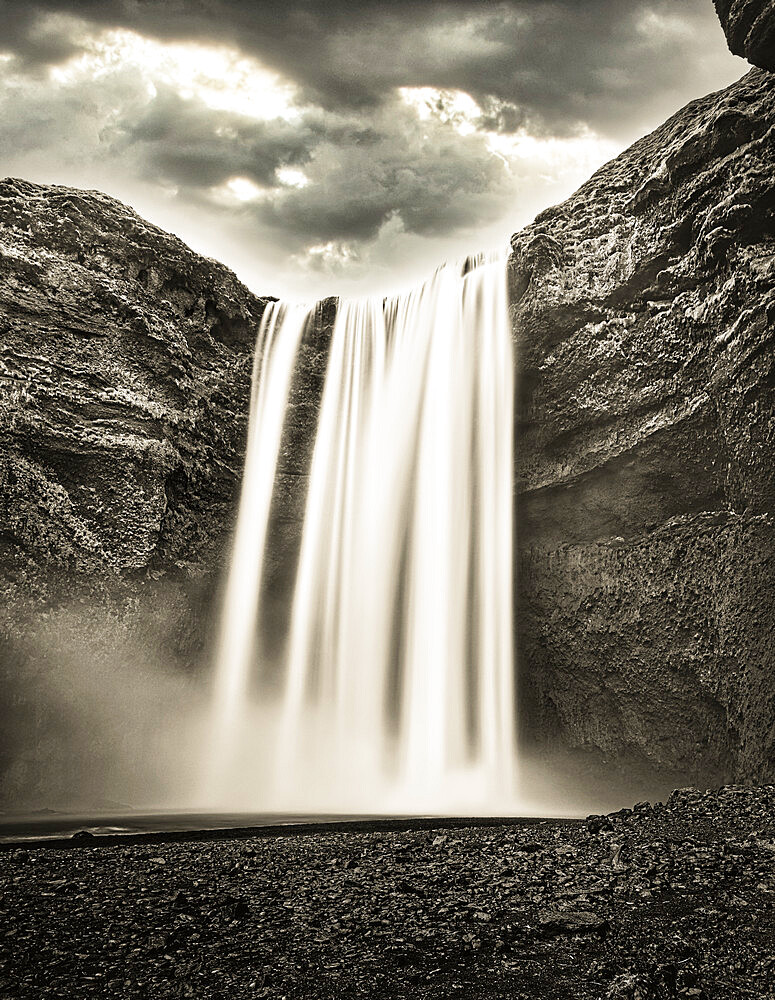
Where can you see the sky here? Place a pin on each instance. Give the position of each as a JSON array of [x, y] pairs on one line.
[[343, 147]]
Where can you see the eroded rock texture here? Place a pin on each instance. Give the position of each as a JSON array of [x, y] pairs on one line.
[[645, 318], [750, 29], [125, 364]]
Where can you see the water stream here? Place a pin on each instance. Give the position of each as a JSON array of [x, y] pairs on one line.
[[396, 687]]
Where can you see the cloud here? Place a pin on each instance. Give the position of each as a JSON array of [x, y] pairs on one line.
[[344, 135], [425, 173], [557, 64], [316, 175], [38, 38], [185, 142]]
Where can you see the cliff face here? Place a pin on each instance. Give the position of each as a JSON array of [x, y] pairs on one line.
[[645, 318], [125, 365], [644, 311], [125, 368], [124, 379]]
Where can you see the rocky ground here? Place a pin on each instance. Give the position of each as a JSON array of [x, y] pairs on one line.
[[663, 901]]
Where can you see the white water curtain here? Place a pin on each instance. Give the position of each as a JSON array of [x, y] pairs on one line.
[[399, 677]]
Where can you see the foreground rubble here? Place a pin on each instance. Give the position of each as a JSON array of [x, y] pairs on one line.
[[661, 901]]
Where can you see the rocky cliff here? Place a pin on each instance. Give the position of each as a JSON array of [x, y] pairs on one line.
[[644, 316], [124, 380], [644, 311], [125, 365], [124, 372], [750, 29]]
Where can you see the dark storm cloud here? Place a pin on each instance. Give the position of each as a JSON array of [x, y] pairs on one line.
[[21, 33], [422, 172], [186, 142], [428, 176], [554, 64]]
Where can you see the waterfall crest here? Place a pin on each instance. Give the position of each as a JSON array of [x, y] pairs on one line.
[[397, 686]]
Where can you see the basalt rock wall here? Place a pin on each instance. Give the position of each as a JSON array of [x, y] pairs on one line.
[[125, 364], [644, 313]]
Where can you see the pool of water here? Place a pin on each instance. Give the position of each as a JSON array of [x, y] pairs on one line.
[[65, 828]]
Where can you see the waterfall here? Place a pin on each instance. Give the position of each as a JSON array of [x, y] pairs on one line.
[[396, 688]]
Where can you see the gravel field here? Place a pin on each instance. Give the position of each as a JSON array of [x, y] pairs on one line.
[[672, 900]]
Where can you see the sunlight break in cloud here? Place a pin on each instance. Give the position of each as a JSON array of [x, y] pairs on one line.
[[220, 77], [553, 158], [239, 190], [291, 177]]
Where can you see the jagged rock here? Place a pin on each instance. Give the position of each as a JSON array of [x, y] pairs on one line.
[[597, 824], [750, 29], [646, 433], [125, 368]]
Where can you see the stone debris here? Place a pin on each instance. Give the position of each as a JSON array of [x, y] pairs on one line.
[[529, 910], [570, 921]]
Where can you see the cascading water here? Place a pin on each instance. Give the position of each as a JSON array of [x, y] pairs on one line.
[[397, 686]]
